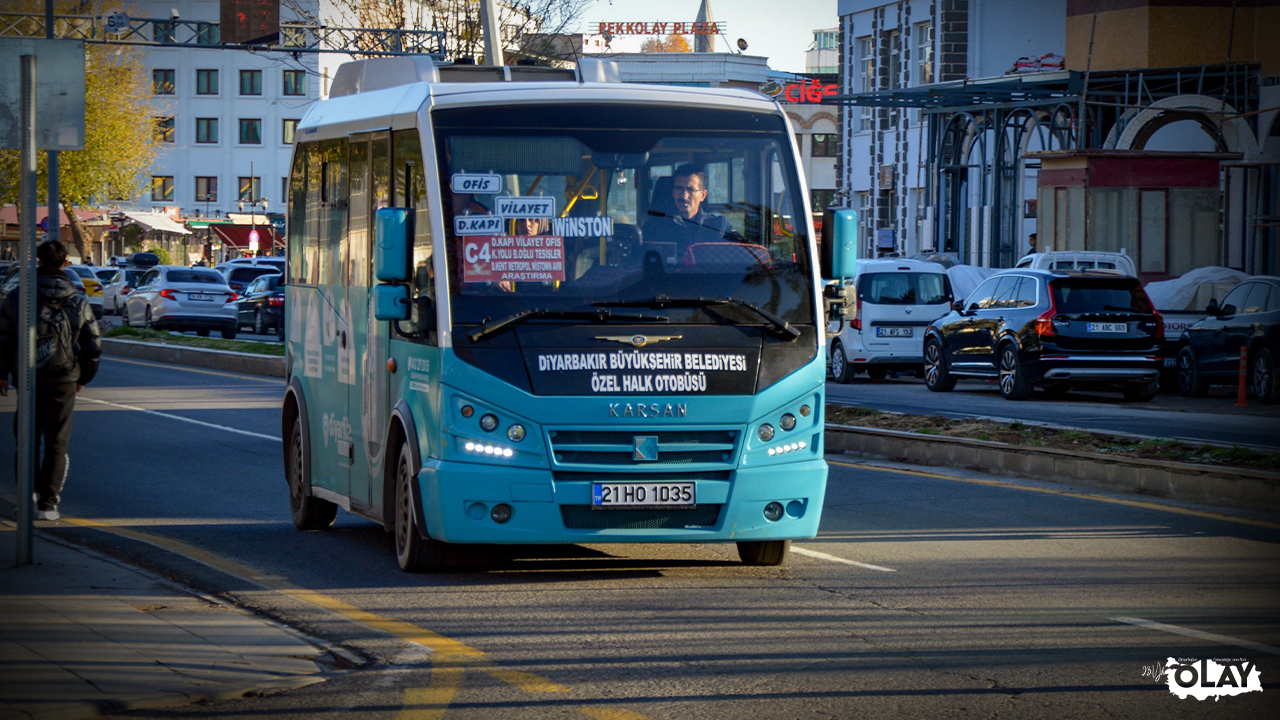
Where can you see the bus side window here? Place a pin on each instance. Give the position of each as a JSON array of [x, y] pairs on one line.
[[299, 268], [410, 191]]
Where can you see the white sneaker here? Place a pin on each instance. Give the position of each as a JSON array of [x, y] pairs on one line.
[[47, 515]]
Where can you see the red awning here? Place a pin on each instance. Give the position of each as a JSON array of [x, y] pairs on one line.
[[238, 235], [9, 215]]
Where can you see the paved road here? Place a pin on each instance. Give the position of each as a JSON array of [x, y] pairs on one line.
[[1169, 415], [922, 597]]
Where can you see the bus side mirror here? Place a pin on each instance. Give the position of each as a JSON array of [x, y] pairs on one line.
[[391, 258], [391, 302], [839, 255]]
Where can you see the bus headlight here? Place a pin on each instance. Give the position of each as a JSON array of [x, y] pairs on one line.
[[765, 433], [788, 421], [515, 433], [488, 422]]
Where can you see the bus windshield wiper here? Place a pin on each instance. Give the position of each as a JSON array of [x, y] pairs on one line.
[[777, 324], [602, 316]]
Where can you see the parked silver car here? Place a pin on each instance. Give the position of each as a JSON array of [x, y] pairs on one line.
[[171, 297], [117, 288]]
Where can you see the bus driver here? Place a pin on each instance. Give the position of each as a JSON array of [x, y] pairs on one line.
[[690, 225]]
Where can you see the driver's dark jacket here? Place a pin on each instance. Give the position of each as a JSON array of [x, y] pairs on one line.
[[704, 227]]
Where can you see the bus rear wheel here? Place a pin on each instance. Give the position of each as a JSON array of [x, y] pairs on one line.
[[309, 513], [764, 552], [414, 553]]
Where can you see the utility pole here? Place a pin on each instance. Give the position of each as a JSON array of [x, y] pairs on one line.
[[52, 200], [491, 26], [26, 380]]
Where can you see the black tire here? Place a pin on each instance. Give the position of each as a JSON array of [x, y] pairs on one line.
[[877, 373], [280, 331], [1262, 375], [204, 332], [937, 377], [766, 553], [124, 319], [1146, 392], [229, 333], [309, 513], [1014, 384], [146, 320], [840, 370], [259, 327], [1190, 382], [414, 554]]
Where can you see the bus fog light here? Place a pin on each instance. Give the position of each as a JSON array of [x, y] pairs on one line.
[[788, 421], [805, 410], [470, 446], [488, 422], [765, 433], [502, 513], [773, 451], [772, 511], [467, 411], [515, 433]]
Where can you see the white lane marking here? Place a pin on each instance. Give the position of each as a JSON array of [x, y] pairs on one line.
[[1198, 634], [157, 413], [832, 558]]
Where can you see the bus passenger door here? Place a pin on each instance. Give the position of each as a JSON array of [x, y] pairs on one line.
[[367, 395]]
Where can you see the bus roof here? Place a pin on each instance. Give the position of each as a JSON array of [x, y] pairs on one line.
[[395, 105]]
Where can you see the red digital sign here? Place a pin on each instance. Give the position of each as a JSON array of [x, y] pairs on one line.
[[245, 22]]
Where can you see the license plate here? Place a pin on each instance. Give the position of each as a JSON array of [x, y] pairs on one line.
[[1108, 327], [199, 296], [642, 494], [893, 332], [1170, 362]]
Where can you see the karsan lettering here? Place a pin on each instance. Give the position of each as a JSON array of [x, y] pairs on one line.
[[651, 410]]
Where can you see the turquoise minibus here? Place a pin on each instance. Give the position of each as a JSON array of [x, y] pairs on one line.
[[534, 305]]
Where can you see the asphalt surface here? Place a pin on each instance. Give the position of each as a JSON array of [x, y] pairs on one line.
[[923, 596], [1213, 419]]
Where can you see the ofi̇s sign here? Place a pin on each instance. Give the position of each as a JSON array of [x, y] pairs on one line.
[[810, 91]]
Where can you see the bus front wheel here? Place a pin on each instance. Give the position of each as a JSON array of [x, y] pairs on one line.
[[764, 552], [309, 512], [414, 553]]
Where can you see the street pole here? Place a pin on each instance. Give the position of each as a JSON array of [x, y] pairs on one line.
[[52, 200], [490, 25], [26, 380]]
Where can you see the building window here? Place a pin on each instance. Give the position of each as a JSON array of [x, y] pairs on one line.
[[924, 53], [207, 34], [250, 82], [206, 130], [893, 46], [295, 82], [164, 32], [867, 69], [164, 129], [250, 131], [162, 188], [288, 129], [826, 40], [162, 82], [206, 82], [824, 145], [820, 200], [250, 189], [206, 189]]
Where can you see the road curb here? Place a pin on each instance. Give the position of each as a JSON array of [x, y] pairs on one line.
[[81, 709], [1237, 487], [226, 360]]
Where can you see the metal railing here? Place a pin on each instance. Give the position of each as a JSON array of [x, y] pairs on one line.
[[293, 38]]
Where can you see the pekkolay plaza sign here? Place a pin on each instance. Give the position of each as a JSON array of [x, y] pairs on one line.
[[809, 91], [659, 28]]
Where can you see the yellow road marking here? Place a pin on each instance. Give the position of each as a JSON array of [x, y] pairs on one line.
[[202, 371], [450, 660], [430, 703], [1050, 491]]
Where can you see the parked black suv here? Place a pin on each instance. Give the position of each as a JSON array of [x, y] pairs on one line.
[[1059, 329]]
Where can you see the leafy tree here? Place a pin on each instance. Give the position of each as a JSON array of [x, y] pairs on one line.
[[165, 257], [670, 44], [119, 149]]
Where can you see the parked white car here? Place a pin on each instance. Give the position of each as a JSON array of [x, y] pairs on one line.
[[1079, 260], [894, 301], [171, 297], [239, 275], [117, 288]]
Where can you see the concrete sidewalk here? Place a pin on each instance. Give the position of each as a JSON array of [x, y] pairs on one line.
[[82, 635]]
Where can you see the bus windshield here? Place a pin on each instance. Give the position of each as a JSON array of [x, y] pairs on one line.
[[578, 207]]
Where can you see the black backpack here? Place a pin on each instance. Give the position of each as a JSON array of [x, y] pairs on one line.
[[55, 343]]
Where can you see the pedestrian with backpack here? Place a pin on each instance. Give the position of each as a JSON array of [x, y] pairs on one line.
[[68, 345]]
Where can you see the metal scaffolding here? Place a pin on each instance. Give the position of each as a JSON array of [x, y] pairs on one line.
[[293, 38]]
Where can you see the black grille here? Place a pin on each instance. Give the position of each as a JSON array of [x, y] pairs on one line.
[[583, 517], [617, 447], [673, 476]]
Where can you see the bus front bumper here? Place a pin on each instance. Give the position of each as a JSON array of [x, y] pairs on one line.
[[458, 501]]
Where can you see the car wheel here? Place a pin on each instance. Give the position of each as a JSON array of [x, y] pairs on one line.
[[414, 553], [229, 333], [936, 375], [1263, 376], [1013, 379], [280, 332], [259, 327], [840, 370], [1190, 383], [124, 318], [309, 513], [1145, 392], [764, 552], [876, 373], [146, 320]]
